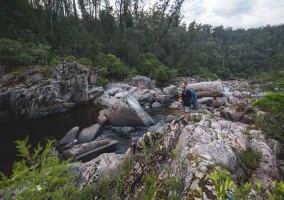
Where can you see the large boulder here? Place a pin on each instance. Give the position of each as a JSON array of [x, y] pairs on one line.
[[90, 150], [125, 111], [171, 91], [232, 114], [70, 136], [215, 141], [142, 82], [207, 89], [90, 133], [267, 170], [163, 99], [206, 100], [92, 171]]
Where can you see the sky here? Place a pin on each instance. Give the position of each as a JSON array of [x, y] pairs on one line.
[[234, 13]]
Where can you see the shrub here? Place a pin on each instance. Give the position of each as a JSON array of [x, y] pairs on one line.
[[85, 61], [39, 175], [111, 67], [152, 68], [250, 161], [11, 53], [14, 53], [272, 122], [223, 183]]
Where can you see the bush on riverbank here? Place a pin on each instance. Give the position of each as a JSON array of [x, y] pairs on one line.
[[272, 121], [39, 175]]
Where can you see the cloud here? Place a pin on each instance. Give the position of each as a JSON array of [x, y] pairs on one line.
[[234, 13]]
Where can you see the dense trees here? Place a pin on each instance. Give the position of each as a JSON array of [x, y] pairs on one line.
[[87, 28]]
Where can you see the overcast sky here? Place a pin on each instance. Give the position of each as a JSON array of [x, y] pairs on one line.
[[234, 13]]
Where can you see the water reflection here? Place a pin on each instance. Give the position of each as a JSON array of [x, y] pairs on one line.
[[53, 126]]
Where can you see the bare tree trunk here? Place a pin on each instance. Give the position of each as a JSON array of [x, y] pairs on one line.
[[75, 9], [51, 19], [66, 6], [124, 18]]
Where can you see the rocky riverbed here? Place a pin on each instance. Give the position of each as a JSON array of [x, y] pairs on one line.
[[215, 138]]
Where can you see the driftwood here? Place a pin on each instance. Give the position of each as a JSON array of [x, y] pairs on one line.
[[207, 89]]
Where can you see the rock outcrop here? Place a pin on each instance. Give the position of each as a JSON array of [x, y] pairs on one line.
[[70, 84], [210, 144]]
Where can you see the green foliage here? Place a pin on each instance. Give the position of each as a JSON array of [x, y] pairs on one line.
[[271, 122], [85, 61], [111, 67], [69, 58], [152, 68], [276, 191], [223, 183], [250, 160], [272, 103], [246, 190], [204, 73], [14, 53], [39, 175], [102, 81], [111, 186]]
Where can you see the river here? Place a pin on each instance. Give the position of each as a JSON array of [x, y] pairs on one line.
[[56, 126]]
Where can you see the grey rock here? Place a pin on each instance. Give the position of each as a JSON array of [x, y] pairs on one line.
[[90, 133], [92, 79], [70, 136], [169, 118], [247, 119], [68, 87], [102, 119], [207, 89], [142, 82], [80, 89], [156, 105], [124, 112], [120, 94], [267, 170], [206, 100], [154, 128], [144, 96], [92, 171], [217, 103], [95, 92], [230, 113], [90, 150], [123, 130], [171, 91], [33, 78], [175, 105], [163, 99], [276, 147]]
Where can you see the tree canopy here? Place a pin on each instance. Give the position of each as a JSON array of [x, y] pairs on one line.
[[39, 31]]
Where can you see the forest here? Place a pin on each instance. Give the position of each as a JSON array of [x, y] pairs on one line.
[[131, 37]]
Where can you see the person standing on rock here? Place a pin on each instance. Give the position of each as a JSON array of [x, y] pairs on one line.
[[185, 99]]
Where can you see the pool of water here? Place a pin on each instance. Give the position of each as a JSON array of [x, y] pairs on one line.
[[37, 130], [57, 125]]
